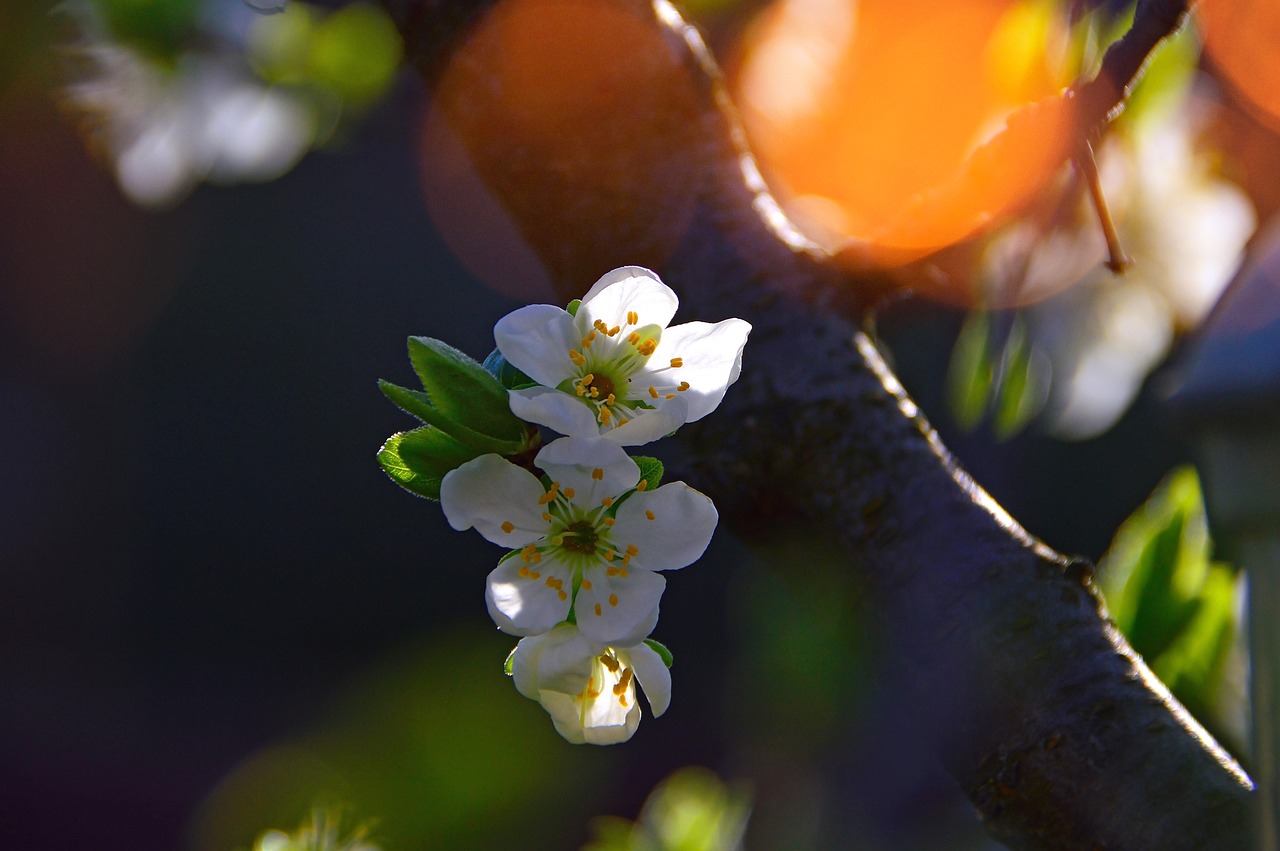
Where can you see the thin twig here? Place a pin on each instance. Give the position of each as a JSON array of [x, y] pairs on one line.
[[1117, 260]]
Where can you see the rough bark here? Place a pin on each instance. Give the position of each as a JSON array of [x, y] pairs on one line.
[[1056, 730]]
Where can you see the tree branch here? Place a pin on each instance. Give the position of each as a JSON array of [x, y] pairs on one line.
[[1057, 731]]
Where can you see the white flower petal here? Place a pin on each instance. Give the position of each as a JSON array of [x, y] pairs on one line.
[[650, 425], [652, 674], [628, 289], [683, 521], [489, 491], [556, 410], [574, 462], [565, 715], [712, 360], [559, 660], [528, 604], [536, 340], [620, 609], [611, 722]]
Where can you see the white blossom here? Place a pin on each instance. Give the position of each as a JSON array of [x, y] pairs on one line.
[[589, 688], [589, 540], [614, 369]]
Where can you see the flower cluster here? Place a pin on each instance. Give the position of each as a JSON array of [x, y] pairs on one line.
[[588, 528]]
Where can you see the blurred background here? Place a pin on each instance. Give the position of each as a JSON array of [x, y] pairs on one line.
[[219, 221]]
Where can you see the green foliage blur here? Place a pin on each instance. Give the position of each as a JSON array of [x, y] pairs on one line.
[[1176, 605], [692, 810]]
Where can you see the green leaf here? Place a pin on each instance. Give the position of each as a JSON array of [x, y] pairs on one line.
[[1022, 386], [355, 53], [1176, 607], [418, 460], [419, 404], [971, 372], [1193, 663], [651, 470], [508, 666], [572, 309], [508, 376], [661, 649], [463, 390]]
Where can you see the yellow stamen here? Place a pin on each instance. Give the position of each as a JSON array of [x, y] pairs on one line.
[[632, 550], [611, 663], [649, 514], [568, 493], [607, 501], [609, 521], [676, 363], [633, 318], [597, 474], [684, 385], [508, 526], [598, 612], [586, 585], [621, 687], [613, 599], [653, 391], [634, 338]]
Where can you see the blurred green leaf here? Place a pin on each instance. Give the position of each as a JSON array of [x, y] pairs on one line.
[[1022, 386], [692, 810], [157, 27], [418, 460], [971, 372], [356, 52], [1007, 380], [278, 45], [1175, 605]]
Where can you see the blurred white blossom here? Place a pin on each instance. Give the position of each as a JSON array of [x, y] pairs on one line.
[[166, 129], [1185, 230]]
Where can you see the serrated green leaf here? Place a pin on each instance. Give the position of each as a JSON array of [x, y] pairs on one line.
[[662, 651], [419, 404], [418, 460], [463, 390], [970, 373], [651, 470], [572, 308]]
